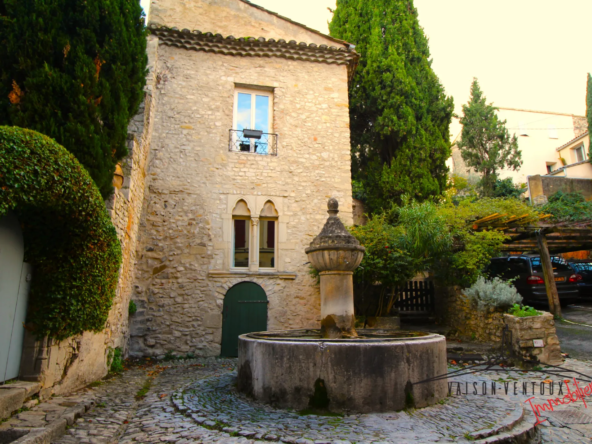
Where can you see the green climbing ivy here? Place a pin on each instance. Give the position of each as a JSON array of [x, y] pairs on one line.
[[69, 237]]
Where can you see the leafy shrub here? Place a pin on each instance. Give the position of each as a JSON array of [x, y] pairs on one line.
[[385, 261], [494, 293], [472, 250], [568, 207], [69, 238], [523, 311], [506, 188]]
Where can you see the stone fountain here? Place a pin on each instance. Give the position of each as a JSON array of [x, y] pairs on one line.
[[338, 368]]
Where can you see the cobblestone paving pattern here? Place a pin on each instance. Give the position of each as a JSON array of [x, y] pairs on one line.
[[567, 423], [204, 391], [214, 401]]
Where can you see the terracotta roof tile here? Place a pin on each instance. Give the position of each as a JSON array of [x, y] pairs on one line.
[[256, 47], [581, 136]]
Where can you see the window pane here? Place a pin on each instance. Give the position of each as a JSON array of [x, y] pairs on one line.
[[261, 122], [262, 113], [241, 243], [579, 154], [558, 264], [243, 111], [267, 243]]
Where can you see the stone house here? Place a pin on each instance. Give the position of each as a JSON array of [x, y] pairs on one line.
[[213, 219], [250, 139]]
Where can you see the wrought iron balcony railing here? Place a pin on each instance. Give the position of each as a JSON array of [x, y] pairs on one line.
[[253, 141]]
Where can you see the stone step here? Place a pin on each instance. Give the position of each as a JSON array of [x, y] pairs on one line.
[[519, 428], [14, 394]]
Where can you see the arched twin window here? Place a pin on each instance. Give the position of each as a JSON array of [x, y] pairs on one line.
[[254, 238]]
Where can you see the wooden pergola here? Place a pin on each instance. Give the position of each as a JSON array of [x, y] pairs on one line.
[[532, 234]]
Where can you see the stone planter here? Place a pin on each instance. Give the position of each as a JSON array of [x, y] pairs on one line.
[[524, 332], [384, 322]]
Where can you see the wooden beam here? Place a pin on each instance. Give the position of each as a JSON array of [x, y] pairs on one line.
[[486, 218], [527, 234], [552, 295]]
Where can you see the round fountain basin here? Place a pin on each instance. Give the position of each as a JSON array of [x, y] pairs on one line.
[[379, 371]]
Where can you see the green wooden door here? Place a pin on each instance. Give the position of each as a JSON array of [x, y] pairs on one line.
[[245, 311]]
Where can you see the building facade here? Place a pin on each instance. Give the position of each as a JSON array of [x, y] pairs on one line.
[[539, 133], [573, 159], [250, 139]]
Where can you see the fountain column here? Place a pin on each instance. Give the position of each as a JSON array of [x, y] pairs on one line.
[[335, 253]]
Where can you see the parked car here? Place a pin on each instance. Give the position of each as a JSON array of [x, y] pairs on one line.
[[583, 268], [526, 272]]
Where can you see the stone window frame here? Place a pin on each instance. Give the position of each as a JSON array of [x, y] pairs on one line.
[[256, 206]]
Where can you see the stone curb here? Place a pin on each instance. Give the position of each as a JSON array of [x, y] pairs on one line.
[[518, 428], [516, 417], [56, 428], [526, 432]]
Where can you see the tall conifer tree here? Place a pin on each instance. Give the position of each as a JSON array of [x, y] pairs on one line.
[[485, 143], [399, 114], [75, 71]]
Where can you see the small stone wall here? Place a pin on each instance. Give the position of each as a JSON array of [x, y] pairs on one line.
[[525, 330], [465, 320], [542, 187]]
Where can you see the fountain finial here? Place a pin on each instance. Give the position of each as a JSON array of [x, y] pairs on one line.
[[333, 207]]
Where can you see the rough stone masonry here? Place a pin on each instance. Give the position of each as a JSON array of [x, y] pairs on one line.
[[183, 263]]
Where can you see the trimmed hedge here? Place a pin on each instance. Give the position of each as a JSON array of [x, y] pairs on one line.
[[69, 237]]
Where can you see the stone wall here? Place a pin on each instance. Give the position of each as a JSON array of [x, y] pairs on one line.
[[580, 124], [542, 187], [465, 321], [525, 330], [183, 263], [64, 366], [232, 17]]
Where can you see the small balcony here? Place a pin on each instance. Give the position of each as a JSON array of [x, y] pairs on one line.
[[253, 141]]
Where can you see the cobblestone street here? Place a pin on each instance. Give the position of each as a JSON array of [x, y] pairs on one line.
[[195, 402]]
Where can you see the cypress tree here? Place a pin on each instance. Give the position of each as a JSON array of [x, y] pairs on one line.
[[589, 114], [485, 143], [75, 71], [399, 114]]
